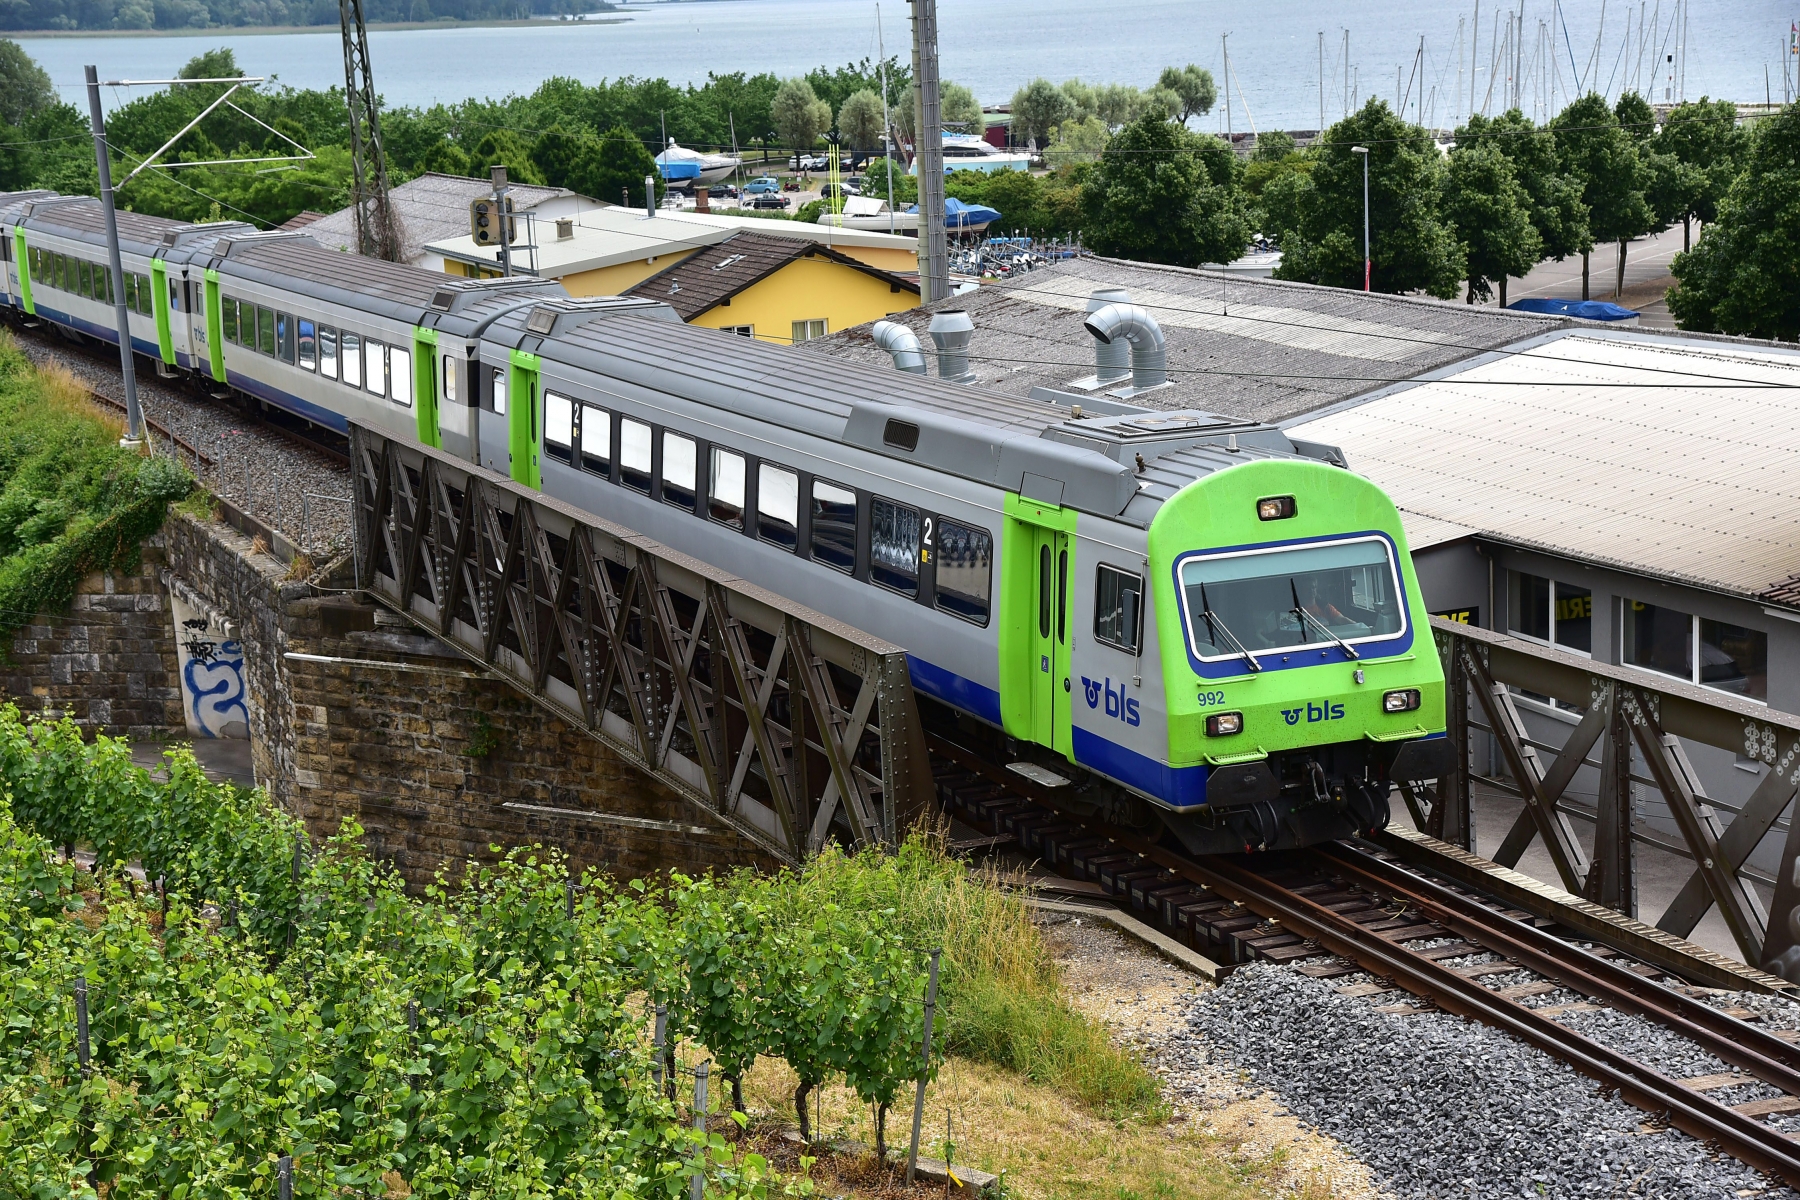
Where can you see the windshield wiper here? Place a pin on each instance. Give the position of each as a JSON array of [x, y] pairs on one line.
[[1299, 610], [1216, 626]]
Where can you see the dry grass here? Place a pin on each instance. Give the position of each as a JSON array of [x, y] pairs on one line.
[[300, 568], [1045, 1144], [66, 394]]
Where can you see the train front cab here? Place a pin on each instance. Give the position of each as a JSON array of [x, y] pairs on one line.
[[1300, 675]]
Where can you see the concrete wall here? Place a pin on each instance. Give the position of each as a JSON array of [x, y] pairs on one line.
[[353, 714]]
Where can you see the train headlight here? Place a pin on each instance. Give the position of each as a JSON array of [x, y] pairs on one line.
[[1275, 508], [1402, 701], [1224, 724]]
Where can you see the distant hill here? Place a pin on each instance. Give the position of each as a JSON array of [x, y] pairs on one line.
[[18, 16]]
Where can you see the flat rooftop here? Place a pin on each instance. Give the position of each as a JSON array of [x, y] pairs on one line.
[[1258, 349]]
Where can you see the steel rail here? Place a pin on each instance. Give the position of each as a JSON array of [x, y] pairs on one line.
[[1760, 1053]]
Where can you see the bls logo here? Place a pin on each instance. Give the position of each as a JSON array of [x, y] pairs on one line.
[[1117, 703], [1325, 710]]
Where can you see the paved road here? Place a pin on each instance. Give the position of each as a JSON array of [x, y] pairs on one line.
[[1647, 277]]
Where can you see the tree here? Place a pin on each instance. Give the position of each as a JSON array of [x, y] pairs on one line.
[[1414, 248], [1705, 136], [799, 115], [1742, 276], [25, 87], [1194, 86], [1273, 146], [1076, 141], [1492, 213], [1039, 107], [859, 120], [959, 109], [1603, 158], [446, 158], [1161, 194], [1557, 211], [503, 147], [567, 158], [620, 169], [1118, 105]]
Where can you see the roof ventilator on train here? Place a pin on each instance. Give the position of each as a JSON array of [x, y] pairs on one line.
[[903, 344], [1149, 349], [952, 331]]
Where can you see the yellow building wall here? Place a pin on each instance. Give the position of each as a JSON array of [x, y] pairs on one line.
[[808, 289], [900, 262], [613, 280]]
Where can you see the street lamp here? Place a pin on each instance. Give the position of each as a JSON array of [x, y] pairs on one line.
[[1367, 265]]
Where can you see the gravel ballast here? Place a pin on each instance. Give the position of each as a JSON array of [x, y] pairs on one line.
[[273, 478], [1440, 1106]]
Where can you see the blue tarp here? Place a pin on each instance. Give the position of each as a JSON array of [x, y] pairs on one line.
[[1587, 310], [958, 215]]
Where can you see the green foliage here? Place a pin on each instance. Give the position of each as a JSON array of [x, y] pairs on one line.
[[1558, 212], [1192, 86], [835, 86], [25, 87], [1163, 194], [800, 117], [503, 147], [72, 501], [1492, 214], [1704, 136], [1039, 107], [1319, 216], [1742, 276], [1077, 142], [1603, 158], [859, 120], [958, 109], [620, 170]]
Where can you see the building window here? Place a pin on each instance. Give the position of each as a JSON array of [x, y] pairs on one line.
[[1118, 607], [596, 440], [725, 499], [1553, 611], [1715, 654], [559, 427], [834, 526], [965, 563], [748, 331], [805, 331], [680, 464], [777, 505], [634, 455], [894, 546]]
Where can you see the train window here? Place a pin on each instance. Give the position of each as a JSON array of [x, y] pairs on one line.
[[679, 467], [350, 355], [309, 346], [634, 455], [130, 290], [328, 352], [1118, 603], [894, 546], [449, 379], [596, 440], [726, 497], [400, 378], [265, 331], [777, 505], [146, 297], [965, 563], [228, 313], [559, 427], [106, 275], [59, 272], [284, 336], [497, 394], [84, 279], [1062, 598], [833, 525], [374, 367]]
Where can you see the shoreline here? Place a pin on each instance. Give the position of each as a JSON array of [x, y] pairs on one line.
[[22, 35]]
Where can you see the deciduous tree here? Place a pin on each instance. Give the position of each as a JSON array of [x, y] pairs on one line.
[[1039, 107], [1742, 276], [799, 115], [25, 88], [859, 121], [1163, 194], [1600, 155], [1194, 86], [1557, 210], [1492, 215], [1705, 136]]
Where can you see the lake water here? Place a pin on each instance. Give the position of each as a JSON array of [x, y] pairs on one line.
[[995, 46]]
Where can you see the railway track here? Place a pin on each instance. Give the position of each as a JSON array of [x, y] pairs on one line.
[[1345, 908]]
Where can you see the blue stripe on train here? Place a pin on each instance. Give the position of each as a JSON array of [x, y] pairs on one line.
[[954, 690], [1179, 787]]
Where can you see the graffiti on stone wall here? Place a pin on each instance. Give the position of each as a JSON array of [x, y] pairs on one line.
[[212, 674]]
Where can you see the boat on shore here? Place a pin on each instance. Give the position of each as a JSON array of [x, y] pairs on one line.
[[867, 212], [682, 167], [966, 152]]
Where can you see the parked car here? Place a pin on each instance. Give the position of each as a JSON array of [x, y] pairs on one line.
[[768, 200], [829, 191], [809, 162], [722, 191], [763, 185]]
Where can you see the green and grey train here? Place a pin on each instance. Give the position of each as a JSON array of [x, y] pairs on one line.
[[1171, 616]]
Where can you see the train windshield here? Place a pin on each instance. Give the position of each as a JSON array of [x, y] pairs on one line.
[[1290, 597]]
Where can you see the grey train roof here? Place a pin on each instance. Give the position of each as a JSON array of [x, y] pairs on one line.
[[1035, 446]]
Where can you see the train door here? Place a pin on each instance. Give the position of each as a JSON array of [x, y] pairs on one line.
[[1050, 693], [1035, 626]]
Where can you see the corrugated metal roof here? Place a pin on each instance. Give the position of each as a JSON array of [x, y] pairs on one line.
[[1691, 479], [1258, 349]]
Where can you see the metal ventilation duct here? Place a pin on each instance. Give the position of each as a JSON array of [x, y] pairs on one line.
[[952, 331], [1111, 359], [903, 344], [1149, 349]]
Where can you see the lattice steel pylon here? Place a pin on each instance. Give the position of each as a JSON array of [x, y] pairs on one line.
[[378, 233]]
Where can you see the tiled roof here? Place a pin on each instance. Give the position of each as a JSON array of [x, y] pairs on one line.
[[429, 208], [718, 272], [1259, 349]]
